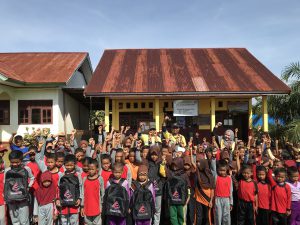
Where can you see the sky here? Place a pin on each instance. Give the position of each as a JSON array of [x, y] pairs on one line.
[[269, 29]]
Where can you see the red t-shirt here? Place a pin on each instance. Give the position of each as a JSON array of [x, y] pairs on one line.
[[264, 195], [79, 164], [83, 174], [223, 185], [281, 197], [247, 190], [92, 197], [125, 171], [106, 175], [36, 173], [1, 189]]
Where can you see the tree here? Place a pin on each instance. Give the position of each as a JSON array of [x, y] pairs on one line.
[[285, 108]]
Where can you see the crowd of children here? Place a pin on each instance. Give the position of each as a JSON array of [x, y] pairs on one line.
[[144, 178]]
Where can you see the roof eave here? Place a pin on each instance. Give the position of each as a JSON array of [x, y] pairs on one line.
[[156, 94]]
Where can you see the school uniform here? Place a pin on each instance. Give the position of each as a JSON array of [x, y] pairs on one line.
[[246, 196], [295, 216], [106, 175], [19, 211], [223, 200], [280, 201], [264, 201], [93, 192]]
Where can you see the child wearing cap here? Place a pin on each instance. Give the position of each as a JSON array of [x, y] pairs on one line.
[[143, 198]]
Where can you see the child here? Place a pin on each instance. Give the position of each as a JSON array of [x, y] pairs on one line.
[[79, 153], [85, 166], [106, 172], [116, 198], [93, 192], [132, 164], [44, 195], [247, 197], [143, 199], [295, 189], [16, 143], [69, 194], [204, 192], [264, 196], [2, 168], [223, 195], [157, 180], [16, 188], [280, 197], [177, 187]]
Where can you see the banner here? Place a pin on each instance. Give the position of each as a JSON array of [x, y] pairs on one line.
[[185, 108]]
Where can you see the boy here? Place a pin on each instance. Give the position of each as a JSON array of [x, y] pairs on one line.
[[247, 197], [2, 168], [69, 194], [143, 199], [223, 195], [16, 188], [264, 196], [93, 192], [106, 172], [16, 143], [116, 198], [280, 196]]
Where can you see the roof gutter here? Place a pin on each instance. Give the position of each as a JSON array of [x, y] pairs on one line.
[[207, 93]]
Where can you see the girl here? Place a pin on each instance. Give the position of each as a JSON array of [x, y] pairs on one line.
[[44, 196], [294, 183], [204, 193]]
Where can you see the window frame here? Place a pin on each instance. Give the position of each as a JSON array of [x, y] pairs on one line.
[[5, 105], [29, 105]]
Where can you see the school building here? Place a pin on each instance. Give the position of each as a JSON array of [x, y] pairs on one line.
[[43, 90], [195, 87]]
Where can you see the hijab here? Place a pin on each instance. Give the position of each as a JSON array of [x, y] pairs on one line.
[[204, 175], [45, 195]]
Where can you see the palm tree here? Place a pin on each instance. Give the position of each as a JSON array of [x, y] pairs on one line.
[[285, 107]]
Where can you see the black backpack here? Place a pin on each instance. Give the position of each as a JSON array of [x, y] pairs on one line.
[[16, 185], [69, 191], [176, 190], [116, 200], [143, 205]]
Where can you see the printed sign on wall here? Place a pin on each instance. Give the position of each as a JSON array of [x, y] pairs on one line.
[[185, 108]]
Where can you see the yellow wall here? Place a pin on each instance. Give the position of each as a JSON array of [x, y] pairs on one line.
[[121, 105]]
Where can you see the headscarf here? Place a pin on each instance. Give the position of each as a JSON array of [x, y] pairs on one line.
[[229, 142], [45, 195], [204, 175]]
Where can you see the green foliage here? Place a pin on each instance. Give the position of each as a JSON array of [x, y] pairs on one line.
[[96, 117], [284, 107]]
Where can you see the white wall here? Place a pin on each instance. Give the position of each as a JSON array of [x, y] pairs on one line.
[[16, 94]]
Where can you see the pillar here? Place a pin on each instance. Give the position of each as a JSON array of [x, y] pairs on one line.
[[212, 113], [156, 108], [114, 115], [106, 117], [250, 114], [265, 113]]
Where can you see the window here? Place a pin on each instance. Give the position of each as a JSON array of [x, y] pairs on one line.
[[35, 111], [4, 112]]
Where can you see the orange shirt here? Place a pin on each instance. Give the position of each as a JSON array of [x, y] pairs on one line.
[[133, 169]]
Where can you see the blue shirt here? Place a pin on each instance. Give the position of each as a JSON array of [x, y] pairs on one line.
[[23, 150]]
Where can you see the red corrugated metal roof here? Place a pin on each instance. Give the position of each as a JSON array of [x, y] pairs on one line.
[[36, 67], [182, 71]]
